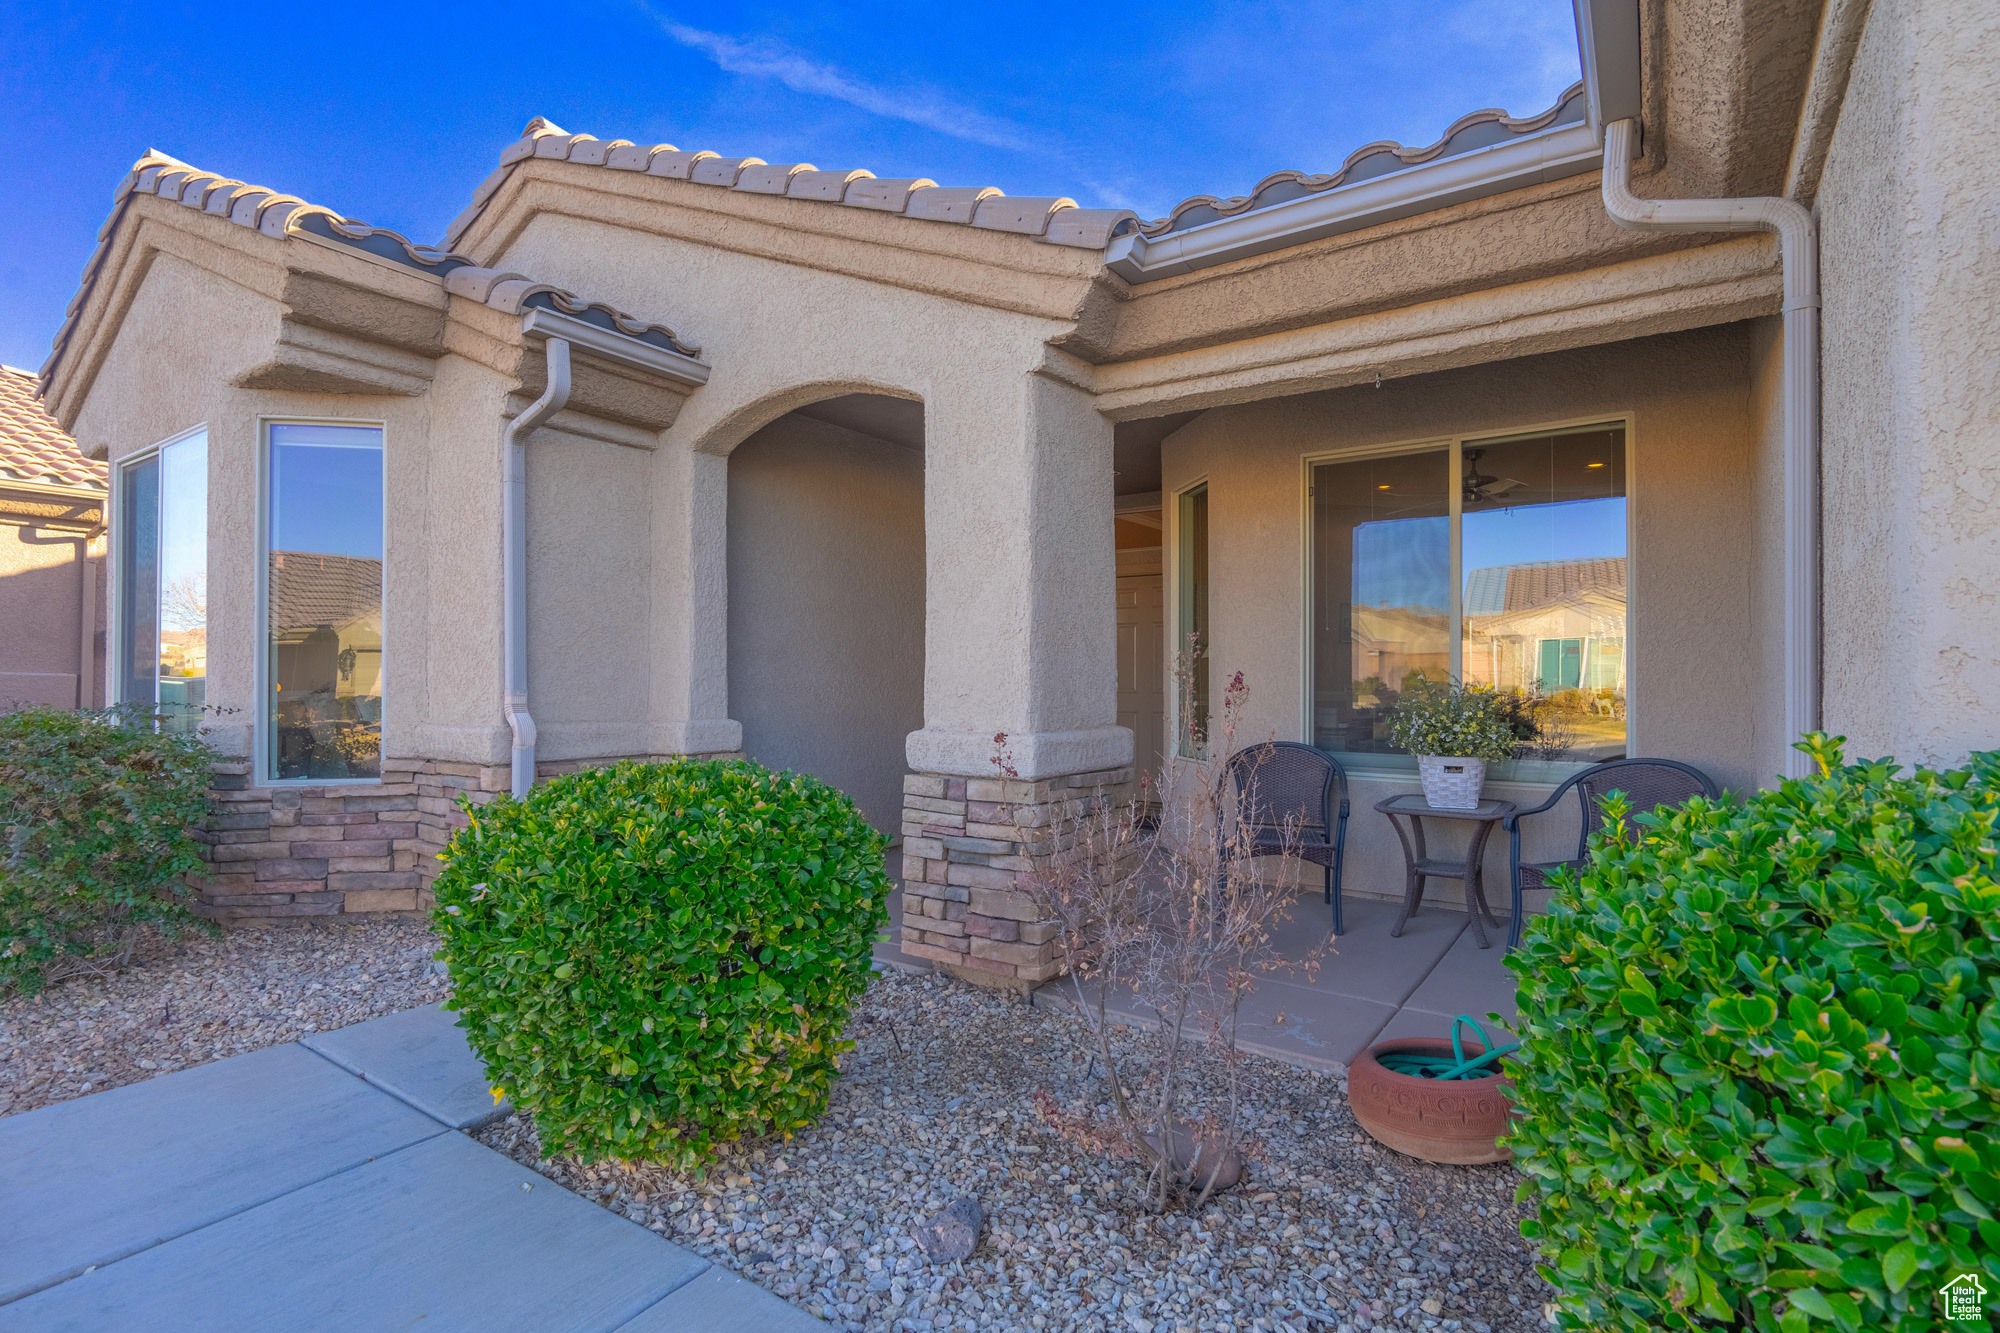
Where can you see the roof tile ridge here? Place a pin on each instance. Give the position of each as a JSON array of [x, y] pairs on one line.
[[1209, 208], [283, 216], [1053, 219]]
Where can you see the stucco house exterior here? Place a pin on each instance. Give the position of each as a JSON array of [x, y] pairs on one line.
[[51, 557], [667, 452]]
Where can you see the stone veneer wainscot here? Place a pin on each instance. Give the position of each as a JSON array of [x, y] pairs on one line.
[[324, 851], [968, 844]]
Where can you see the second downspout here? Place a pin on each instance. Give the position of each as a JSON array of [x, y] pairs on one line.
[[514, 561], [1798, 246]]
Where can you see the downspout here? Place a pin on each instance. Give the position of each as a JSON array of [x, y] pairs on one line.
[[514, 559], [1798, 245]]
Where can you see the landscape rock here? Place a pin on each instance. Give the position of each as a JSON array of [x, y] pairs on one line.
[[188, 999], [953, 1234], [1216, 1166], [936, 1103]]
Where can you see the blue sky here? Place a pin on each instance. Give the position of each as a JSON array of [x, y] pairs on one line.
[[393, 113]]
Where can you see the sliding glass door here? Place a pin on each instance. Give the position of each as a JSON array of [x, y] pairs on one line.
[[1499, 562]]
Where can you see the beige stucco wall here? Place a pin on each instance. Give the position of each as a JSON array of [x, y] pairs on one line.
[[1694, 678], [1909, 210], [187, 335], [41, 610], [826, 606], [1018, 483]]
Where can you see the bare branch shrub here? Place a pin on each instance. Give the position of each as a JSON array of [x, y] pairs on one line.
[[1172, 915]]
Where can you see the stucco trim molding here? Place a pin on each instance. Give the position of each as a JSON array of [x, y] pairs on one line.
[[699, 735], [1033, 755]]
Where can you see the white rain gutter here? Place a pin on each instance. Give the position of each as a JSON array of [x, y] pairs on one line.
[[1551, 154], [1798, 245], [514, 560]]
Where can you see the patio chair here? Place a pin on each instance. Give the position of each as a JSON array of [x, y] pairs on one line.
[[1285, 797], [1647, 783]]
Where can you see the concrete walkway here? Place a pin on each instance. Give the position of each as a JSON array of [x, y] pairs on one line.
[[327, 1185]]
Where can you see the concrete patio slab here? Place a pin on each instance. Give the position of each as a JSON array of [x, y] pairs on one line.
[[1367, 963], [1300, 1025], [440, 1235], [421, 1056], [92, 1180], [1368, 987], [720, 1302], [1422, 1023], [1468, 980]]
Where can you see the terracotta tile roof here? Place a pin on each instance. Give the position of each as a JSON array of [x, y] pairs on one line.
[[1480, 129], [309, 589], [1055, 220], [33, 447], [285, 215]]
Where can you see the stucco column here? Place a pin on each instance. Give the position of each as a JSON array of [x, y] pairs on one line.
[[1020, 629], [690, 710], [1020, 640]]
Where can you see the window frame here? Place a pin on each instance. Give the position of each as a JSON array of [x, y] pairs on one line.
[[118, 640], [1172, 545], [1370, 765], [260, 676]]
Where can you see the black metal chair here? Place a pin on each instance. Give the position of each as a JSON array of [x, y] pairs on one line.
[[1285, 796], [1647, 783]]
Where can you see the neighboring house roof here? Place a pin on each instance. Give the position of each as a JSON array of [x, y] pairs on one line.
[[310, 590], [1480, 129], [284, 215], [1052, 219], [1502, 589], [33, 448]]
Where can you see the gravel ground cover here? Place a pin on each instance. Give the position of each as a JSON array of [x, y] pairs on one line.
[[195, 998], [1330, 1232]]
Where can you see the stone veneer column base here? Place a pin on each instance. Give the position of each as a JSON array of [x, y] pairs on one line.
[[968, 844], [280, 852]]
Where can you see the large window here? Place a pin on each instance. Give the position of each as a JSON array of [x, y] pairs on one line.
[[323, 603], [1500, 562], [161, 639]]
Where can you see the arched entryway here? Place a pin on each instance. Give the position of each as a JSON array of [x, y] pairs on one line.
[[826, 594]]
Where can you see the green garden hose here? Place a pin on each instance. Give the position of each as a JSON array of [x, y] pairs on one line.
[[1421, 1064]]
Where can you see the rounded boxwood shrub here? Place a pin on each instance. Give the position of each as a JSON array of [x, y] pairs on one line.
[[656, 958], [1760, 1057]]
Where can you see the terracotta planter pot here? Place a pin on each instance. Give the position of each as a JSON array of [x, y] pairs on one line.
[[1453, 1122]]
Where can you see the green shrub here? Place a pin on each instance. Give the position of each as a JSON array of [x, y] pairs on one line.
[[98, 811], [1761, 1057], [656, 958]]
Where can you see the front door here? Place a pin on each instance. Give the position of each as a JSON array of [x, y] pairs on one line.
[[1142, 667]]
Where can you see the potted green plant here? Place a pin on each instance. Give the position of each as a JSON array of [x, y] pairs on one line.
[[1454, 730]]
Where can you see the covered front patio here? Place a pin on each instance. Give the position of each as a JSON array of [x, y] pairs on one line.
[[1370, 987]]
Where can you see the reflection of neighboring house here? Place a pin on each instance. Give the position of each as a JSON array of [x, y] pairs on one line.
[[320, 602], [1392, 641], [51, 552], [1548, 626]]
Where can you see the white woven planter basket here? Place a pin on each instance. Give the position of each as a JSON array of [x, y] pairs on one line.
[[1450, 783]]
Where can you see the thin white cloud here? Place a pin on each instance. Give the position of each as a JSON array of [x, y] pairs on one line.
[[765, 58]]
